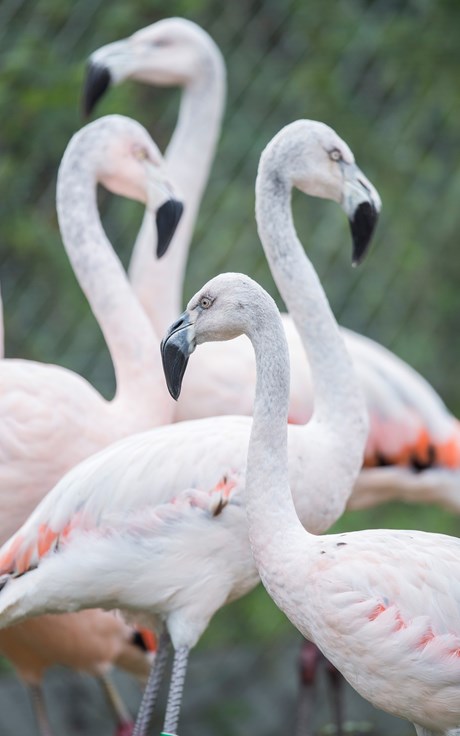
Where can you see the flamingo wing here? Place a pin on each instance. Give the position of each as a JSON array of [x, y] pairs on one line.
[[406, 582], [185, 558], [386, 610], [135, 473]]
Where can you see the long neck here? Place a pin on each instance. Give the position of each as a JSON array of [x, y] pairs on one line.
[[338, 400], [336, 392], [275, 531], [130, 338], [189, 157]]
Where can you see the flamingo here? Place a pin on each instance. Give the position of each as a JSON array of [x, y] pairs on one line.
[[382, 605], [413, 448], [163, 536], [52, 418]]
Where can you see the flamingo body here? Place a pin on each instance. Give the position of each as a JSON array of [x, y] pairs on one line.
[[91, 641], [383, 607], [45, 431], [153, 540]]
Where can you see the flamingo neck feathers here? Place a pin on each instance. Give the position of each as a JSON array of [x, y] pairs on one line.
[[275, 531], [191, 150], [129, 336], [337, 395], [189, 158], [338, 428]]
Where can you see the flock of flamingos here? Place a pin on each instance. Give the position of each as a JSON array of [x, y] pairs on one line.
[[167, 511]]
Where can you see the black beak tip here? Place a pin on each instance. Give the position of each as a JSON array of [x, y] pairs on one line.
[[97, 81], [174, 365], [168, 217], [362, 228]]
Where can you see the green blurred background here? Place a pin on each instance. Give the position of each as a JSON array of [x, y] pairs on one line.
[[383, 73]]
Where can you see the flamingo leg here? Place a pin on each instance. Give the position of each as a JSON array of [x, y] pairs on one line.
[[123, 716], [150, 695], [336, 680], [175, 691], [41, 714], [310, 657]]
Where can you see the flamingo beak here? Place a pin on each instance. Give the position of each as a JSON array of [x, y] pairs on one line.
[[176, 348], [362, 205], [97, 81], [161, 199], [167, 218]]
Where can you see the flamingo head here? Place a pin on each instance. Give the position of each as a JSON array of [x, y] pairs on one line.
[[310, 156], [171, 52], [127, 162], [229, 305]]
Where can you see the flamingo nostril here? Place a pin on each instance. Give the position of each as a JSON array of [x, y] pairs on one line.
[[178, 324], [364, 185]]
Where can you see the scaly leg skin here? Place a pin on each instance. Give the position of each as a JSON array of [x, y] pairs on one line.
[[41, 714], [310, 657], [175, 691], [150, 695], [123, 716]]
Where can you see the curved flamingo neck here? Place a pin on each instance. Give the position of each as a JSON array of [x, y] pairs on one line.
[[131, 340], [338, 400], [159, 284], [275, 531]]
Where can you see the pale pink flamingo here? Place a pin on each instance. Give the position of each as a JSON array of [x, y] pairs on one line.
[[51, 418], [155, 524], [413, 449], [383, 605]]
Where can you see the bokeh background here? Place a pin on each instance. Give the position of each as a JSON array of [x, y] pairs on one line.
[[384, 74]]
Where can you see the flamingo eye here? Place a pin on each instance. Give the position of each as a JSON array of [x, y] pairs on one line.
[[205, 302], [140, 153], [335, 155]]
